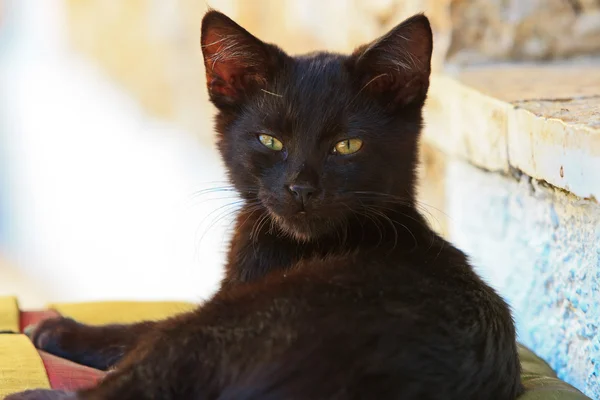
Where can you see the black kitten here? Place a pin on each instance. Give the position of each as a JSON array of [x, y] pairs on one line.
[[335, 288]]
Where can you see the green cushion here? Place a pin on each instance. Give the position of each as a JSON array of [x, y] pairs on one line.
[[541, 382]]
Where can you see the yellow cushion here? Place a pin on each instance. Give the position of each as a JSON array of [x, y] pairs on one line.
[[9, 314], [21, 367], [120, 312]]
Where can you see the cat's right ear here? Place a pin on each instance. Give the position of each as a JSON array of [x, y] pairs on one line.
[[237, 63]]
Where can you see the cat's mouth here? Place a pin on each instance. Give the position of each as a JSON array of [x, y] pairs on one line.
[[305, 225], [302, 223]]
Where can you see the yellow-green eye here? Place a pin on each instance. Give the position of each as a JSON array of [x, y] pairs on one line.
[[270, 142], [348, 146]]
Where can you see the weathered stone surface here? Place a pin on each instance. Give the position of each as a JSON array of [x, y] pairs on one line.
[[542, 120], [540, 247], [518, 82], [565, 155], [484, 30], [467, 123], [553, 132]]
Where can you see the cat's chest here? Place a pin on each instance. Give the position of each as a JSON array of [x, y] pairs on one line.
[[252, 261]]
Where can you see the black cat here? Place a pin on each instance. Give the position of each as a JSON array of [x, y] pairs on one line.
[[335, 286]]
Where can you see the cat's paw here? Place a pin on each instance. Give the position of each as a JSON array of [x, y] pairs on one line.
[[54, 335], [99, 347], [43, 394]]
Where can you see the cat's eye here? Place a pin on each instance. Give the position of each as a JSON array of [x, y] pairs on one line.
[[347, 146], [270, 142]]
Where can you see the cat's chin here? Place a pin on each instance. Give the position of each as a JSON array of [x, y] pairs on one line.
[[299, 227]]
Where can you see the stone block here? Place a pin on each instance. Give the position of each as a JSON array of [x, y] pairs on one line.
[[497, 30], [543, 120], [467, 123]]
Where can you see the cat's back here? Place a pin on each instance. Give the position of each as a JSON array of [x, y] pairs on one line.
[[361, 326]]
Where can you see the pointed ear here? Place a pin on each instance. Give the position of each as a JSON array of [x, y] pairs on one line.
[[237, 63], [395, 68]]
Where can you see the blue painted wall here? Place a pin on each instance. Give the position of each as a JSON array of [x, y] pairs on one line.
[[540, 247]]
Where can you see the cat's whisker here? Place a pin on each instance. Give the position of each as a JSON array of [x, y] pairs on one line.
[[213, 222], [213, 190], [265, 221], [367, 214], [232, 191], [393, 199], [272, 226], [424, 207], [215, 182], [250, 209], [197, 202], [391, 223], [256, 231], [257, 225], [220, 217], [235, 205], [421, 223], [271, 93], [346, 220], [388, 198], [226, 187]]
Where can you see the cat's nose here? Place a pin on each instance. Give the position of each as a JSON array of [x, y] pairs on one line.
[[302, 192]]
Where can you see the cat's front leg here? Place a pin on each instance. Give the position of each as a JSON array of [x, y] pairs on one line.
[[98, 347], [181, 358], [175, 360]]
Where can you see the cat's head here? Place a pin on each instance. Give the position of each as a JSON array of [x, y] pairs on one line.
[[321, 138]]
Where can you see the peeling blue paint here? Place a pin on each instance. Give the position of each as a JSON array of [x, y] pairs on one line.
[[541, 249]]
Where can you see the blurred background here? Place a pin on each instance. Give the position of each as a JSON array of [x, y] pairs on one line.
[[106, 136]]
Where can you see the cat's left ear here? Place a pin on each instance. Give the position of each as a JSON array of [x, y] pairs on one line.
[[237, 63], [395, 68]]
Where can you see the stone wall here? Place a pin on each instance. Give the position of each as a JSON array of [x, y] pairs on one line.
[[498, 30]]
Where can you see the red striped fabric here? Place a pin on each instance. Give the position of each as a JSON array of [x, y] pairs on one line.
[[62, 374]]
